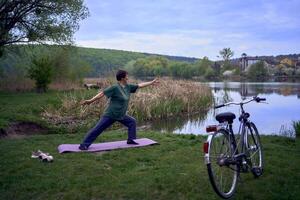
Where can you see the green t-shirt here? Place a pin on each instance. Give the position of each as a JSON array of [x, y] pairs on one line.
[[119, 98]]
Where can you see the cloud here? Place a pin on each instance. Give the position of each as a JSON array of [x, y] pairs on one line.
[[165, 43], [185, 43], [194, 28]]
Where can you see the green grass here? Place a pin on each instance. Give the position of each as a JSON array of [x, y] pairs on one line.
[[172, 170], [27, 106], [24, 106]]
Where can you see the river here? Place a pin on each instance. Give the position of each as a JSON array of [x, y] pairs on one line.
[[272, 118]]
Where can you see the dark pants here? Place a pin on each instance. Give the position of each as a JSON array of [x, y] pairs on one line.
[[106, 122]]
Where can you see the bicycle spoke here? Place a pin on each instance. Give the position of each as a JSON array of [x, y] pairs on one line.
[[224, 177], [255, 151]]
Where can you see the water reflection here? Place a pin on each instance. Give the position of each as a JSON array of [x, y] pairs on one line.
[[247, 89], [176, 123], [273, 118]]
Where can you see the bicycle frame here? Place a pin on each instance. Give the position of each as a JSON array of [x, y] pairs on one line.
[[236, 144], [243, 142], [237, 152]]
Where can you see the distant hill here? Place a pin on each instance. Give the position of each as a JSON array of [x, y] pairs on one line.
[[270, 59], [102, 61], [175, 58]]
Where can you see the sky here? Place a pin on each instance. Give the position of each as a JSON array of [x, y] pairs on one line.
[[193, 28]]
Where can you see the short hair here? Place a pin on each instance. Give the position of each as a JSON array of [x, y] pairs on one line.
[[121, 74]]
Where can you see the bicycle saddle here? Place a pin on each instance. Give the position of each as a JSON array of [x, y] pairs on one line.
[[227, 116]]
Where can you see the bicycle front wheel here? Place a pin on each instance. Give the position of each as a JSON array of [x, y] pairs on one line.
[[254, 149], [222, 175]]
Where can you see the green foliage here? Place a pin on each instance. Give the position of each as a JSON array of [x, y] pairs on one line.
[[41, 72], [159, 66], [96, 62], [257, 71], [201, 66], [209, 73], [150, 66], [288, 71], [226, 53], [237, 71], [61, 57], [181, 69], [39, 21], [227, 66], [104, 62], [296, 125], [67, 64], [174, 69]]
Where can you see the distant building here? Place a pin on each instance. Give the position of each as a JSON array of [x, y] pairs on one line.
[[246, 62]]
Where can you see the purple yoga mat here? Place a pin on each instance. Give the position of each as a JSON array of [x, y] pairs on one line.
[[106, 146]]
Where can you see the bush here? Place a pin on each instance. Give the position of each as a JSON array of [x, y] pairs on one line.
[[227, 66], [257, 71], [209, 73], [289, 71], [296, 125], [41, 72]]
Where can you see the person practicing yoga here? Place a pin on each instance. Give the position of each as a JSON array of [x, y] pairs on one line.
[[119, 96]]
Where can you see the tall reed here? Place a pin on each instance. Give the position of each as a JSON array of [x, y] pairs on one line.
[[169, 98]]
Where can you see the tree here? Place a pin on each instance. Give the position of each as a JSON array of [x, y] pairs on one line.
[[39, 21], [151, 66], [226, 54], [210, 73], [244, 55], [41, 71], [202, 65], [257, 71]]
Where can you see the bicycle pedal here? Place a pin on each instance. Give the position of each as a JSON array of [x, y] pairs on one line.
[[256, 171], [239, 155]]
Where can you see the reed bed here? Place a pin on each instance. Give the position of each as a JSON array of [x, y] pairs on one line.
[[169, 98], [296, 125]]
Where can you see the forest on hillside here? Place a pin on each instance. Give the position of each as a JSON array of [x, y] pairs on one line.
[[61, 64], [99, 61], [57, 63]]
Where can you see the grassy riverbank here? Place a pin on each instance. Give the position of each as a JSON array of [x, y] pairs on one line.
[[61, 109], [174, 169]]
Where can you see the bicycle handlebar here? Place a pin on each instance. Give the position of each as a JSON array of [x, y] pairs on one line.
[[255, 98], [258, 99], [219, 106]]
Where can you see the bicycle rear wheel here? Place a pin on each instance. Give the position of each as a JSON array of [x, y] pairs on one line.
[[254, 149], [223, 176]]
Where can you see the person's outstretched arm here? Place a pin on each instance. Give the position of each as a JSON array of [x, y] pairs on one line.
[[95, 98], [145, 84]]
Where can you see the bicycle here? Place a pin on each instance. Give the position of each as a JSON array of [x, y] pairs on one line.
[[227, 154]]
